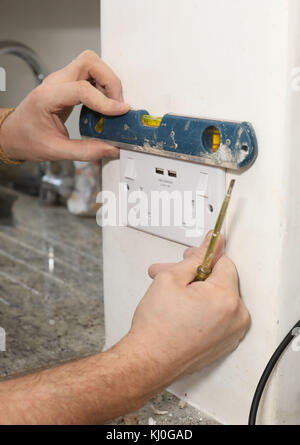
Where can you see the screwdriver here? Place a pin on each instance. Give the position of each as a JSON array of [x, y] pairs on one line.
[[204, 270]]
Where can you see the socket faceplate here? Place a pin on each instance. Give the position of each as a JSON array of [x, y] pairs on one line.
[[173, 199]]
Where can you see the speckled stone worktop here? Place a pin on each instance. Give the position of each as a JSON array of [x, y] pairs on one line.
[[50, 286]]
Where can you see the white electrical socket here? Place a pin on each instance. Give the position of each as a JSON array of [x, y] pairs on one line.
[[195, 193]]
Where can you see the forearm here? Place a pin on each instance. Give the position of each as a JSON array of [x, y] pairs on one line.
[[88, 391]]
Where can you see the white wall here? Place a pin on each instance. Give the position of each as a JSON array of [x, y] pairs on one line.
[[226, 59]]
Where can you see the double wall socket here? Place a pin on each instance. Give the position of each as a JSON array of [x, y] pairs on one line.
[[173, 199]]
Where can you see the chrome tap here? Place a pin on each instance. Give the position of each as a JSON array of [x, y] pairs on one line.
[[56, 178], [27, 54]]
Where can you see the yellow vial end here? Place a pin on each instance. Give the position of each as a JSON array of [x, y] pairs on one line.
[[151, 121], [212, 139], [99, 125], [216, 139]]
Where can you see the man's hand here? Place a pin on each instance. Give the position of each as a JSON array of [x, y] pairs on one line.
[[178, 327], [35, 131], [184, 325]]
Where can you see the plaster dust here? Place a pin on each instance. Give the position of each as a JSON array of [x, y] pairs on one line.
[[165, 409]]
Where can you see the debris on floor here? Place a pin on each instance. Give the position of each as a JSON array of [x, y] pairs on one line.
[[167, 409], [151, 421], [158, 411], [131, 419]]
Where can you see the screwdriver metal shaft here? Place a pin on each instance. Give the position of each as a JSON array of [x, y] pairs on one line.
[[204, 270]]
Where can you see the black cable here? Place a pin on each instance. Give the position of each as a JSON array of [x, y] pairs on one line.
[[266, 374]]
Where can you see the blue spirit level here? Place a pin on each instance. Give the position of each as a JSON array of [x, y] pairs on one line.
[[214, 142]]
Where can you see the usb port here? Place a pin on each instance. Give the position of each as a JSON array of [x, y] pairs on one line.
[[159, 171], [172, 173]]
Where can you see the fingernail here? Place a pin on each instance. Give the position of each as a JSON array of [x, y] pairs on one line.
[[123, 106], [114, 153]]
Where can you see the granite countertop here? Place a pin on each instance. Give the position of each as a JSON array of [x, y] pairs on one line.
[[51, 299]]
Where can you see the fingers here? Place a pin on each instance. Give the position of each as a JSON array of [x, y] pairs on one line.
[[86, 66], [86, 150], [199, 253], [224, 273], [63, 95], [197, 250], [185, 271], [155, 269], [91, 66], [106, 78]]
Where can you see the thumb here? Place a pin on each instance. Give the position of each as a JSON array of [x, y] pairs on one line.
[[186, 270], [68, 94], [82, 150]]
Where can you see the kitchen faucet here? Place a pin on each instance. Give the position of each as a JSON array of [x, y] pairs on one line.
[[56, 178]]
